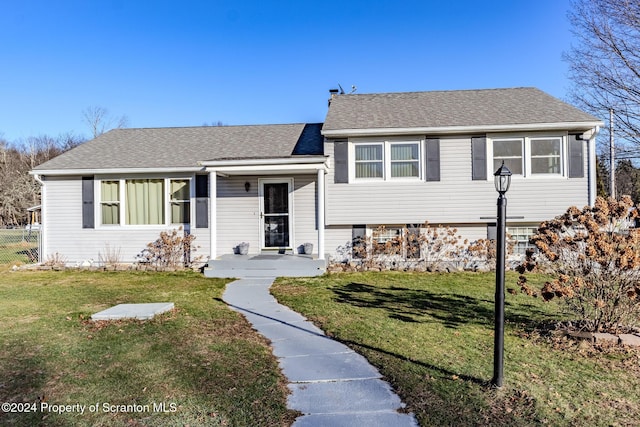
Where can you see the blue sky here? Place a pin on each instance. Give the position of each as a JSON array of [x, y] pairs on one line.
[[184, 63]]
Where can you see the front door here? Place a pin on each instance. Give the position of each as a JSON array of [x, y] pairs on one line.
[[275, 212]]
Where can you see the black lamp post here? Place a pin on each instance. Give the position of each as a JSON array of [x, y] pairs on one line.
[[502, 181]]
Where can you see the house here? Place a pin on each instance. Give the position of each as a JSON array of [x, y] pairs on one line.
[[392, 159]]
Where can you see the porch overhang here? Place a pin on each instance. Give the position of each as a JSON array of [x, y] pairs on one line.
[[267, 166], [317, 165]]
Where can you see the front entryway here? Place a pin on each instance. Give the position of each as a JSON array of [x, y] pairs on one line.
[[276, 213]]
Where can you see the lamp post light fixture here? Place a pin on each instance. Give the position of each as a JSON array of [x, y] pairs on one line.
[[502, 181]]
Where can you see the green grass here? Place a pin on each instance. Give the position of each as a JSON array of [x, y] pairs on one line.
[[431, 336], [202, 360]]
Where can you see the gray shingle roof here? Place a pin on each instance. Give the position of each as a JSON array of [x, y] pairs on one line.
[[185, 147], [490, 107]]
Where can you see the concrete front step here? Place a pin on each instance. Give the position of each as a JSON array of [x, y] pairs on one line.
[[265, 266]]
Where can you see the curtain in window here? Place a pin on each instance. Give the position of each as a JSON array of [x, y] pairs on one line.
[[145, 201], [369, 161], [110, 205], [404, 160], [180, 212]]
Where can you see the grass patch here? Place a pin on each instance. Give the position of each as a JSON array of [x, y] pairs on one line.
[[431, 336], [202, 361], [18, 246]]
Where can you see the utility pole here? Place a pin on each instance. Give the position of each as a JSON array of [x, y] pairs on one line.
[[612, 165]]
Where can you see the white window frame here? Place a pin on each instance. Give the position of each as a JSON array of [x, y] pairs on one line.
[[516, 230], [101, 202], [561, 155], [386, 159], [527, 141], [123, 201], [355, 162], [392, 231], [170, 200], [522, 157], [389, 146]]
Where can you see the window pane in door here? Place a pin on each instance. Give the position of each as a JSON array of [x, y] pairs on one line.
[[276, 198], [276, 231]]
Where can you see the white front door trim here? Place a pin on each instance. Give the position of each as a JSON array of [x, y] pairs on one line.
[[290, 213]]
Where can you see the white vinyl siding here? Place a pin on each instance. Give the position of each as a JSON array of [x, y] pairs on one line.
[[456, 198], [63, 212]]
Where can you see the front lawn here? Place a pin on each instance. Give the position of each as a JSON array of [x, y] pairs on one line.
[[201, 364], [431, 336]]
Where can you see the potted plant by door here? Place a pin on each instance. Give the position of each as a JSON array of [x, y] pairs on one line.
[[243, 248], [308, 248]]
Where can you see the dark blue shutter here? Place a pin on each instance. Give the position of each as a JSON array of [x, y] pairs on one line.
[[479, 158], [341, 160], [432, 159], [576, 157], [202, 201], [358, 240], [87, 202], [492, 231]]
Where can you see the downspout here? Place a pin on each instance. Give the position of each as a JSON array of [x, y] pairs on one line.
[[43, 241], [593, 191]]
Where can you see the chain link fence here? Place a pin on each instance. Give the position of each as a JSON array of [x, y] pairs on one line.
[[19, 245]]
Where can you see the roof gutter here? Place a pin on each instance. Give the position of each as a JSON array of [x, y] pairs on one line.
[[450, 130], [306, 160], [66, 172]]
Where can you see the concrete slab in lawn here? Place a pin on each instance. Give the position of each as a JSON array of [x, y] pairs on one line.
[[368, 419], [133, 311]]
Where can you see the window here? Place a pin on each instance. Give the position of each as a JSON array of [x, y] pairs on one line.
[[180, 206], [152, 201], [144, 201], [520, 237], [387, 241], [397, 240], [389, 160], [546, 155], [110, 202], [509, 151], [405, 160], [369, 161], [531, 156]]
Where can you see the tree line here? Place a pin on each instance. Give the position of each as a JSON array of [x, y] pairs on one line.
[[19, 191]]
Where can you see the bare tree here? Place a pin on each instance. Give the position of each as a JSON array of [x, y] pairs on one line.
[[604, 65], [18, 190], [99, 120]]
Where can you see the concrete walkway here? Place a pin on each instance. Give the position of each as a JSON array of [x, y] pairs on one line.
[[330, 383]]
